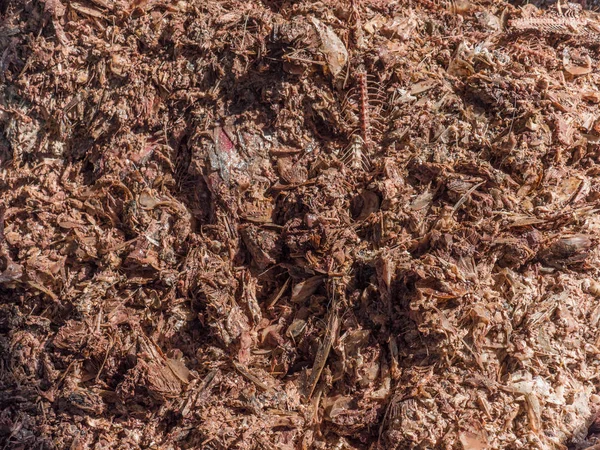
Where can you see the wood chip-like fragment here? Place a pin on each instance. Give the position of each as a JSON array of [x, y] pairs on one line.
[[323, 353], [248, 375]]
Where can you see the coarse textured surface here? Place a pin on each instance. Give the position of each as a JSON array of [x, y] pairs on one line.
[[296, 225]]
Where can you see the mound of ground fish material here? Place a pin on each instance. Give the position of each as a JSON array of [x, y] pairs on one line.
[[299, 224]]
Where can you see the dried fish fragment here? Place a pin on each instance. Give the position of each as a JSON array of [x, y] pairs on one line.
[[567, 251], [332, 47]]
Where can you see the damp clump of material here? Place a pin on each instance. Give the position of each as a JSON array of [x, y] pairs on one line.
[[330, 224]]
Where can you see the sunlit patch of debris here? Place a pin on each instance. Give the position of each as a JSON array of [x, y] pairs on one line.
[[335, 225]]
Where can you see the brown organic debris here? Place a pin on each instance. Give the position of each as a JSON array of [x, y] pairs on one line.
[[333, 224]]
